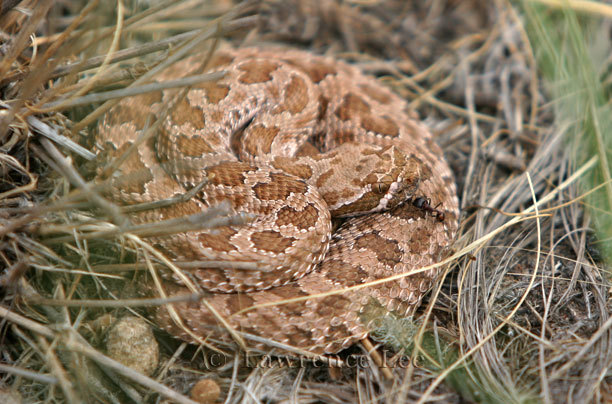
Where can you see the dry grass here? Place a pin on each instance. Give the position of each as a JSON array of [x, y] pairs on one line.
[[522, 314]]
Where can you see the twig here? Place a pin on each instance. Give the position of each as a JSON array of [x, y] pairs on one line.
[[75, 178], [209, 219], [61, 140], [132, 91], [39, 377], [162, 203], [248, 266], [25, 322], [121, 303]]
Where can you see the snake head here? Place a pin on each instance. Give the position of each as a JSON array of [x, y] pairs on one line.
[[398, 182], [391, 178]]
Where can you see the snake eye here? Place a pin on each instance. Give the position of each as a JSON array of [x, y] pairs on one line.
[[380, 187]]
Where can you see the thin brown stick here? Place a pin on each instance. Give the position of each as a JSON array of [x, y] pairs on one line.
[[130, 91], [66, 168], [120, 303]]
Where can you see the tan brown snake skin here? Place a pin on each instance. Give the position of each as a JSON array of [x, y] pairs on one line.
[[291, 137]]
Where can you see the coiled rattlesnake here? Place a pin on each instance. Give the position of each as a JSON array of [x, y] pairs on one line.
[[295, 139]]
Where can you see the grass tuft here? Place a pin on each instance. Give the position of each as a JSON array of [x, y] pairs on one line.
[[573, 56]]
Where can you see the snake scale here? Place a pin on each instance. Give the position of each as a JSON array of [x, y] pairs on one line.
[[300, 141]]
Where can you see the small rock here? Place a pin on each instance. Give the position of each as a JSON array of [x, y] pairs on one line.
[[130, 341], [205, 391], [9, 396]]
